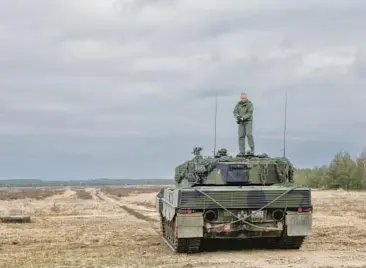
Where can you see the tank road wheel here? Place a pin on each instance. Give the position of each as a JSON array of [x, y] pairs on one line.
[[180, 245], [167, 232], [162, 225]]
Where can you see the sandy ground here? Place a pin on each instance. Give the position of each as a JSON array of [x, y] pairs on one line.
[[104, 229]]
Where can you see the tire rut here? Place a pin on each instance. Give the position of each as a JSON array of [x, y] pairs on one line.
[[94, 193], [129, 210], [137, 214]]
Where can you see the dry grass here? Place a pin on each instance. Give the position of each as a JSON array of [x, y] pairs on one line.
[[342, 203], [82, 194], [101, 231], [31, 193], [146, 204], [128, 191]]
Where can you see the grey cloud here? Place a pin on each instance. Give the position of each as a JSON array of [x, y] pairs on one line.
[[87, 81], [358, 68]]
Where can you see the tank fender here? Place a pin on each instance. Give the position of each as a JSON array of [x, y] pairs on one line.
[[169, 203], [189, 225], [299, 223], [159, 201], [168, 210]]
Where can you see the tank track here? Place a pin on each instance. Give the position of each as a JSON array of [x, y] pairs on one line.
[[290, 242], [193, 245], [270, 243], [285, 242], [180, 245]]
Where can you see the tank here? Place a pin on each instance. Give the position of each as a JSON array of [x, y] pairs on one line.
[[243, 197]]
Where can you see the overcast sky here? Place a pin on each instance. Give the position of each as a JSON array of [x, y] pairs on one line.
[[115, 88]]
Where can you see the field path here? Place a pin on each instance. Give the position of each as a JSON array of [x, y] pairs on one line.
[[120, 228]]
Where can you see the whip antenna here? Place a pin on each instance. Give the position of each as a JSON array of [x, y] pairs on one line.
[[285, 128], [215, 122]]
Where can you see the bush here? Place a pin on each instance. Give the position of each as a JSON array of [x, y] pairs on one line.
[[342, 172]]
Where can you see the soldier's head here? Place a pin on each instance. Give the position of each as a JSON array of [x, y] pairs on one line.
[[221, 152], [243, 97]]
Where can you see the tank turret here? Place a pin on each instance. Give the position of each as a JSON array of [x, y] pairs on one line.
[[240, 170]]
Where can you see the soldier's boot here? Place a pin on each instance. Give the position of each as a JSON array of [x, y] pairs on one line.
[[240, 155], [251, 142]]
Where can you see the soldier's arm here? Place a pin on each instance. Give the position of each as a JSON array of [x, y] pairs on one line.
[[249, 113], [236, 111]]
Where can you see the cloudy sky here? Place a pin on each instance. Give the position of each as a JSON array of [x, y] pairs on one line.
[[118, 88]]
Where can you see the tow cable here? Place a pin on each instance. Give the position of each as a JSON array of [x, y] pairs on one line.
[[253, 213]]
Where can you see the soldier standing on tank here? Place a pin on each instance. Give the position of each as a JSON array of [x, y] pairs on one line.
[[243, 113]]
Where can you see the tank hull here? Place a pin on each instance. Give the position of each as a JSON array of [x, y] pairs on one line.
[[266, 216]]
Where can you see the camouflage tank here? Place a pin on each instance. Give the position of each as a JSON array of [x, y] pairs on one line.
[[249, 197]]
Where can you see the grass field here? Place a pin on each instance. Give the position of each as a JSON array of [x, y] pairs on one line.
[[118, 227]]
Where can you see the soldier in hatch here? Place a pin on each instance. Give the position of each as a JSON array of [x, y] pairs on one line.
[[243, 113], [221, 152]]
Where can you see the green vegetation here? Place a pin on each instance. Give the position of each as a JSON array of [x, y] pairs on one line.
[[342, 172]]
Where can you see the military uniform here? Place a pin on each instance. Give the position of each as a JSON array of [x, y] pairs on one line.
[[243, 113]]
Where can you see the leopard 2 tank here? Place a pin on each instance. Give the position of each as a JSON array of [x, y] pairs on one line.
[[249, 197]]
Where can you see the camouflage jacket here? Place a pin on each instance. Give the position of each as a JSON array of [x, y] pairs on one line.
[[244, 110]]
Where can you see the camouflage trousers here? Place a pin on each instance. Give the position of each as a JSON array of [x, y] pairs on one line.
[[245, 130]]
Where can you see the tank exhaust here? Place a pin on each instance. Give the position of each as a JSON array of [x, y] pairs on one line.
[[209, 215]]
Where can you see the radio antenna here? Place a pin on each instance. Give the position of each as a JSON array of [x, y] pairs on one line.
[[215, 119], [285, 128]]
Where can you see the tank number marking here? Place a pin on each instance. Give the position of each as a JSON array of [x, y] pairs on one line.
[[258, 214], [300, 220]]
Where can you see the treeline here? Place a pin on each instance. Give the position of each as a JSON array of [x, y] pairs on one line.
[[91, 182], [342, 172]]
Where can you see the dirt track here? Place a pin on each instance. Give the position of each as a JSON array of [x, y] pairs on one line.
[[122, 230]]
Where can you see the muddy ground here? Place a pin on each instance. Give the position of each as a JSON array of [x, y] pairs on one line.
[[92, 227]]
